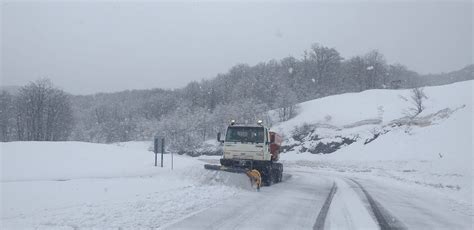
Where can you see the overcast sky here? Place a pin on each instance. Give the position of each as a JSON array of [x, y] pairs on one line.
[[87, 47]]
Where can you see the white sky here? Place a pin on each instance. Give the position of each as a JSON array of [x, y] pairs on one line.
[[87, 47]]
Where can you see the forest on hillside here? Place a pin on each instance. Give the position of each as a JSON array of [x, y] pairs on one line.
[[188, 116]]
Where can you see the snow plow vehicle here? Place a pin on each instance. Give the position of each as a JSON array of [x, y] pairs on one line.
[[253, 150]]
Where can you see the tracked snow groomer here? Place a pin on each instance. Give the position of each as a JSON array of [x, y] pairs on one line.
[[253, 150]]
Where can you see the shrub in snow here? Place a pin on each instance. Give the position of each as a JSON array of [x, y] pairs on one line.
[[418, 97], [302, 131], [209, 148], [328, 118]]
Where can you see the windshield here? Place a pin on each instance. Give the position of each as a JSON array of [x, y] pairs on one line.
[[245, 134]]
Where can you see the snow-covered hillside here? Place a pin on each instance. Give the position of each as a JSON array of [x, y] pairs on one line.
[[434, 149], [346, 110]]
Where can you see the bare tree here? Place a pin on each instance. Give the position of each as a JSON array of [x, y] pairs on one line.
[[376, 70], [285, 103], [326, 62], [356, 72], [6, 116], [43, 112], [418, 97]]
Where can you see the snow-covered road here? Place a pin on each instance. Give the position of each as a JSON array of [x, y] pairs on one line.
[[293, 204], [419, 208], [357, 203]]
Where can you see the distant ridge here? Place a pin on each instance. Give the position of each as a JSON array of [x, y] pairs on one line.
[[11, 89], [464, 74]]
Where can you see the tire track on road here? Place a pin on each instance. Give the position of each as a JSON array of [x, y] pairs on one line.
[[385, 220], [321, 219]]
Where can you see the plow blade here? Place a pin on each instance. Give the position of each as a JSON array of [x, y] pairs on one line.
[[226, 169], [253, 175]]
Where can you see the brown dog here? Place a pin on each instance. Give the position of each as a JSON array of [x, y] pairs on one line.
[[255, 178]]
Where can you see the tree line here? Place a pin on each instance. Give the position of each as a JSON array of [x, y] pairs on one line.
[[38, 112], [195, 113]]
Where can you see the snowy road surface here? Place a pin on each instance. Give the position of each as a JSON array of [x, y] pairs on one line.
[[299, 203], [293, 204]]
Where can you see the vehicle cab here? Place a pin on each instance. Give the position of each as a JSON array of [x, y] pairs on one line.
[[246, 142]]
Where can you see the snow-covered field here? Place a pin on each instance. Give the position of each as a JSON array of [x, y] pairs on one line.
[[72, 184], [421, 172]]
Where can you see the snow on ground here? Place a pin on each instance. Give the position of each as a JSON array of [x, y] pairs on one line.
[[436, 153], [74, 184], [420, 170], [26, 161]]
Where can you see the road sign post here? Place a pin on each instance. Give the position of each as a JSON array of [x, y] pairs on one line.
[[159, 147], [162, 150], [155, 150]]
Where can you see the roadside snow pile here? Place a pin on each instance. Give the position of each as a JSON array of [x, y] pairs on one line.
[[70, 185], [434, 149]]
